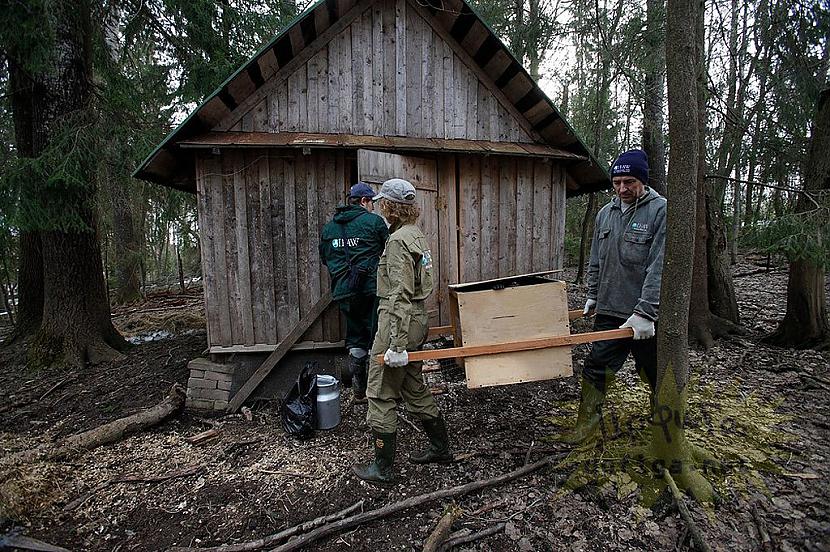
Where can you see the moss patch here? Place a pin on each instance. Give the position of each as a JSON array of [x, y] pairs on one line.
[[741, 431]]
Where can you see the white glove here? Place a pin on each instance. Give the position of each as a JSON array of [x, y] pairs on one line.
[[395, 359], [643, 327], [589, 304]]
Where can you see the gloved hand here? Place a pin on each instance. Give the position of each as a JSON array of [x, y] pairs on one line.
[[589, 304], [395, 359], [643, 327]]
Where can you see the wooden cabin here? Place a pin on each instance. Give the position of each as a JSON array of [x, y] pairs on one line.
[[363, 90]]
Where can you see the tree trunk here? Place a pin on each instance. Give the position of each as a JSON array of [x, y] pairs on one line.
[[516, 43], [5, 291], [128, 262], [722, 300], [653, 97], [587, 225], [75, 324], [532, 48], [668, 438], [805, 324], [29, 285], [180, 267], [736, 217], [28, 99]]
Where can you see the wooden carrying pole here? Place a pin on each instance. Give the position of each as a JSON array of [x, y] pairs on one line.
[[436, 331], [515, 346]]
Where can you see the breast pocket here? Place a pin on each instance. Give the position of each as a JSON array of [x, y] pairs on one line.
[[602, 241], [635, 247]]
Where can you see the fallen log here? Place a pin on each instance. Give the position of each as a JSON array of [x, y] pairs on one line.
[[19, 542], [391, 509], [442, 529], [277, 537], [107, 433]]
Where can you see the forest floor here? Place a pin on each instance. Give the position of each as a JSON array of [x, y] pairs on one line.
[[254, 480]]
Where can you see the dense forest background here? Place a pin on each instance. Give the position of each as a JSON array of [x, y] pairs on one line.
[[151, 61]]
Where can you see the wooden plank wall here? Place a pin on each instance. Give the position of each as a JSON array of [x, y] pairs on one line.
[[260, 216], [511, 216], [388, 73]]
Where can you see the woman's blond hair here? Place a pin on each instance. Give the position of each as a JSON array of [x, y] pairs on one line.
[[399, 212]]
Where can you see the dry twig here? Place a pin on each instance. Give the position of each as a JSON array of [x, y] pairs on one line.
[[420, 500], [282, 535], [458, 541], [697, 536], [107, 433], [763, 535]]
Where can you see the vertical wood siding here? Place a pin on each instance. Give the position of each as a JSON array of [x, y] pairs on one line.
[[260, 217], [511, 217], [387, 74]]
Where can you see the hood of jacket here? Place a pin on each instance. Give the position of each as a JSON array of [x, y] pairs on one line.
[[347, 213]]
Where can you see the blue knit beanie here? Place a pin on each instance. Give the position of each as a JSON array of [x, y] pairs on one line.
[[631, 163]]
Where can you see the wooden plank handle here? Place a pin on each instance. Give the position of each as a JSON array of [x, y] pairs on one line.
[[515, 346]]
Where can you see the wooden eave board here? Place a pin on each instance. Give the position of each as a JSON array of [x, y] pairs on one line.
[[310, 140], [512, 314]]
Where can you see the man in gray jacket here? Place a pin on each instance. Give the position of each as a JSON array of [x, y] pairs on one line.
[[624, 274]]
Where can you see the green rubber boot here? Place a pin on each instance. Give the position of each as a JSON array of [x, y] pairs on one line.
[[590, 414], [438, 451], [379, 471]]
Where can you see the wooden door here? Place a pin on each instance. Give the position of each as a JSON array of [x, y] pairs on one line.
[[375, 167]]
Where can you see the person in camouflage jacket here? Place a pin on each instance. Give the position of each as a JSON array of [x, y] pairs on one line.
[[405, 280]]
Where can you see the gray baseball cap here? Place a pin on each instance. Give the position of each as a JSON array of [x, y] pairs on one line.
[[397, 190]]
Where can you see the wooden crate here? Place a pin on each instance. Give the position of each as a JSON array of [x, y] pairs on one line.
[[526, 307]]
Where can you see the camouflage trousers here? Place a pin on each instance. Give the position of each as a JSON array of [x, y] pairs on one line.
[[388, 385]]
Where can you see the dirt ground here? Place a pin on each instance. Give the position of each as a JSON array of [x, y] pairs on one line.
[[254, 480]]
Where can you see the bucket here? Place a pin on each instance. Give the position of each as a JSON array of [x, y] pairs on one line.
[[328, 402]]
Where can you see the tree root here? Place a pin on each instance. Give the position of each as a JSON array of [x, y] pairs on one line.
[[704, 335], [689, 478], [56, 349], [107, 433], [697, 536]]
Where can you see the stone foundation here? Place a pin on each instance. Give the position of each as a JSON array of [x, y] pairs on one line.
[[209, 386]]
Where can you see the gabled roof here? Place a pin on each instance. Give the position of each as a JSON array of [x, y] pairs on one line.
[[455, 20]]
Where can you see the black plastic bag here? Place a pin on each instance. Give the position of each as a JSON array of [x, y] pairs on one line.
[[299, 406]]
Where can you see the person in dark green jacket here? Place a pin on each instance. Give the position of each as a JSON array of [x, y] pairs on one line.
[[350, 246]]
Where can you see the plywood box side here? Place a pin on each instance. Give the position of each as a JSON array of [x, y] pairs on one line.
[[513, 314]]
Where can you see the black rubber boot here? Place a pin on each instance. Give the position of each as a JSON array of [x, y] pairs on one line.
[[379, 471], [590, 414], [438, 451], [347, 375], [361, 377]]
